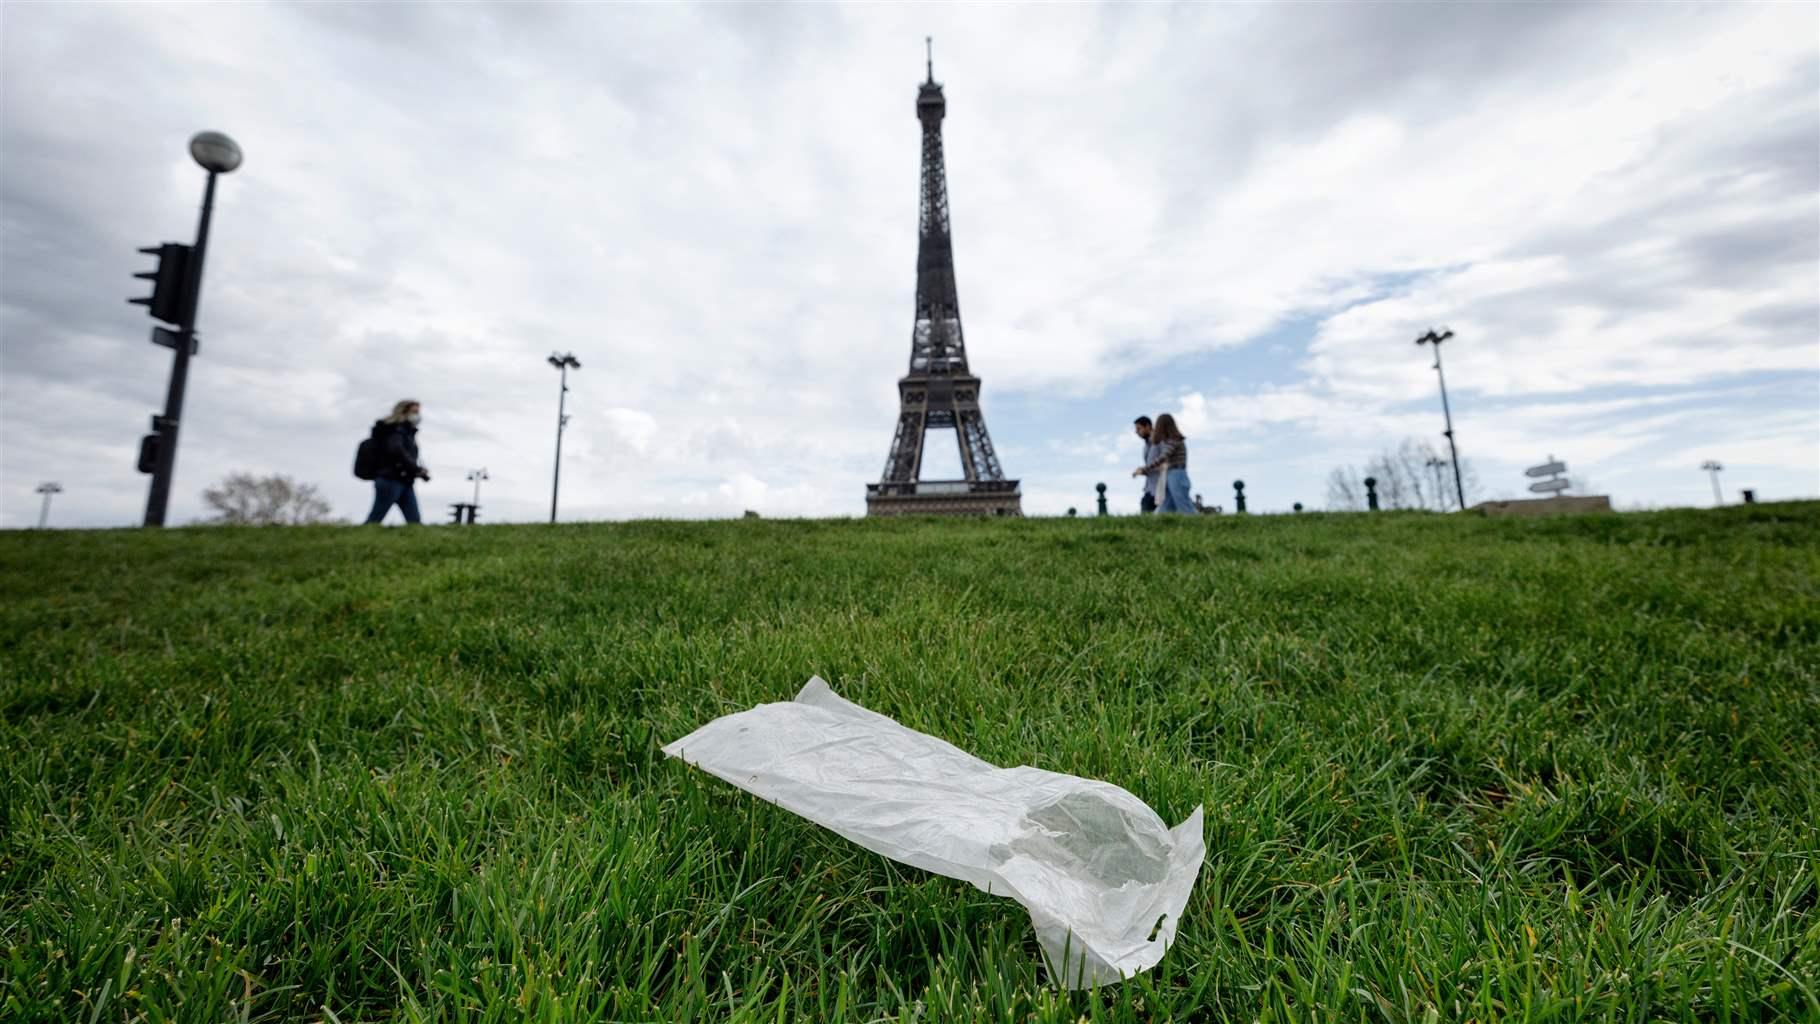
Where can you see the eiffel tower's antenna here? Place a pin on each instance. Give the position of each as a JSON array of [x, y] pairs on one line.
[[929, 42]]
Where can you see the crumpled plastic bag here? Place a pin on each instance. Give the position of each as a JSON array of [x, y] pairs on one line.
[[1104, 880]]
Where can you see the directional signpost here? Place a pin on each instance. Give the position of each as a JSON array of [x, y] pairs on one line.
[[1553, 470]]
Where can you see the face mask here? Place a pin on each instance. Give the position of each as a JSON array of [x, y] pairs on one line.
[[414, 418]]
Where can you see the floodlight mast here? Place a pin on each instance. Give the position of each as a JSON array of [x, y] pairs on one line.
[[1431, 338], [1712, 466], [564, 362], [48, 488]]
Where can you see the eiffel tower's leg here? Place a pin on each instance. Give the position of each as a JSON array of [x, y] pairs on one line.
[[976, 446], [969, 471], [905, 462]]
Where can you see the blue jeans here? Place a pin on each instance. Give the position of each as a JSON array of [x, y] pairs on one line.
[[1175, 493], [387, 493]]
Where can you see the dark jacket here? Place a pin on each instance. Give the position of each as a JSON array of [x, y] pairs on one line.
[[400, 451]]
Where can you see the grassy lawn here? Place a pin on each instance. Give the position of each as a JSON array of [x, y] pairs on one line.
[[1453, 768]]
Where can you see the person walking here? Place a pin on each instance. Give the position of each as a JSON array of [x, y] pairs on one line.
[[1171, 460], [1147, 504], [399, 470]]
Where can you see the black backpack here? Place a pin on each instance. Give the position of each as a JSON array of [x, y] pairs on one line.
[[369, 458]]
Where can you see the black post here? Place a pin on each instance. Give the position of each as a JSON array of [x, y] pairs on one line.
[[166, 464], [1371, 493], [1102, 489], [1238, 496]]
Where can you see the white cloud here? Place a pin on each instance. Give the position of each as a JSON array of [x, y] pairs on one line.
[[745, 490]]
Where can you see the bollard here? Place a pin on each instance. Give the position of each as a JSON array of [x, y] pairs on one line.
[[1298, 506], [1371, 493], [1238, 496], [1750, 496], [1102, 489]]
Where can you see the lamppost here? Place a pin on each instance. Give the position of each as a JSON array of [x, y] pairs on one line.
[[1712, 466], [1434, 469], [564, 362], [218, 155], [477, 475], [1431, 338], [48, 488]]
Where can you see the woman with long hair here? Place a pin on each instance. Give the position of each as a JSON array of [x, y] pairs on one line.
[[1171, 457], [396, 436]]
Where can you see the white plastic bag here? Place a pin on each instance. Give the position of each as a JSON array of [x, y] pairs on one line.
[[1104, 880]]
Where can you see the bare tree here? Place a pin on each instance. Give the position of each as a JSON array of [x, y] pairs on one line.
[[1345, 492], [245, 500], [1415, 476]]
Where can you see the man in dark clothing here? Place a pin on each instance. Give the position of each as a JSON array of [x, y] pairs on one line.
[[393, 485], [1146, 504]]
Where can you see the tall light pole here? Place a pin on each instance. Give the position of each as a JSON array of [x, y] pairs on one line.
[[1431, 338], [564, 362], [48, 488], [1434, 469], [1712, 466], [218, 155], [477, 475]]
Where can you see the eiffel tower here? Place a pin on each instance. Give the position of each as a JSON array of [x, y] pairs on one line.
[[939, 391]]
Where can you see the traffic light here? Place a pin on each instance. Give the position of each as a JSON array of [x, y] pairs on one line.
[[166, 301], [148, 453], [150, 443]]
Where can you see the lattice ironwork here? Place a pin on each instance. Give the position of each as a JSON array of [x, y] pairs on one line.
[[939, 392]]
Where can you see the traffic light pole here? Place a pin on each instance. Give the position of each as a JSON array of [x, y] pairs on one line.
[[167, 425]]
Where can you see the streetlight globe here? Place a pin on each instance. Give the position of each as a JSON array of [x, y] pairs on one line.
[[217, 153]]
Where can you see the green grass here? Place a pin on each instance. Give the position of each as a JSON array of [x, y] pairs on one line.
[[1454, 768]]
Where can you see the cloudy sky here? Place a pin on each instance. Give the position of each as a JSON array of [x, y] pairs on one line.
[[1241, 214]]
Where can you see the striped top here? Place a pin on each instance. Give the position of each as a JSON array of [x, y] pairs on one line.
[[1173, 454]]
